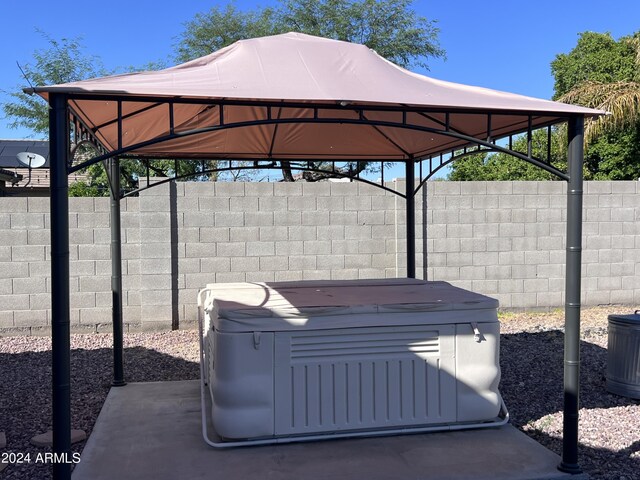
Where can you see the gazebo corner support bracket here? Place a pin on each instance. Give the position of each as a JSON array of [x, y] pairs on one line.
[[116, 273], [569, 461], [411, 217], [60, 329]]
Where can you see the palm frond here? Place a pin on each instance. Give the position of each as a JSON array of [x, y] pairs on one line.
[[620, 99]]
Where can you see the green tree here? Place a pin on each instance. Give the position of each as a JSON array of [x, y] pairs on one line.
[[603, 73], [62, 61], [502, 166]]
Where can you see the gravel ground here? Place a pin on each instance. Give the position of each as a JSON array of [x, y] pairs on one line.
[[531, 360]]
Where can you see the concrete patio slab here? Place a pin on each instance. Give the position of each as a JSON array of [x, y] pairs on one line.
[[153, 431]]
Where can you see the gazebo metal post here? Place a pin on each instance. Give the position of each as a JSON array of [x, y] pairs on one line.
[[60, 330], [411, 217], [572, 297], [116, 273]]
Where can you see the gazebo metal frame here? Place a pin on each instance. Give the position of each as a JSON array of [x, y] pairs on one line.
[[67, 128]]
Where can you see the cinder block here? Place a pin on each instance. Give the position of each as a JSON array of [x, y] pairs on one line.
[[511, 229], [24, 220], [468, 272], [535, 230], [201, 250], [498, 272], [315, 218], [155, 298], [288, 218], [622, 269], [485, 258], [94, 252], [524, 215], [362, 203], [13, 205], [199, 189], [609, 283], [371, 246], [6, 321], [330, 232], [187, 204], [511, 258], [357, 232], [446, 245], [155, 282], [5, 253], [302, 262], [272, 233], [462, 202], [287, 189], [102, 236], [358, 261], [459, 230], [624, 214], [598, 215], [302, 232], [316, 274], [330, 204], [597, 298], [229, 189], [510, 286], [473, 244], [95, 316], [502, 216], [214, 234], [450, 217], [549, 215], [16, 237], [199, 219], [445, 188], [374, 217], [243, 204], [259, 219], [258, 249], [244, 234], [258, 189], [343, 247], [473, 216], [344, 274], [245, 264], [40, 205], [29, 285], [129, 220], [272, 204], [5, 221], [214, 204], [316, 189], [274, 263], [93, 220], [301, 203], [316, 247], [95, 284], [288, 276], [27, 253], [485, 202], [597, 242], [289, 247], [157, 220], [260, 276], [610, 201], [30, 318], [229, 219]]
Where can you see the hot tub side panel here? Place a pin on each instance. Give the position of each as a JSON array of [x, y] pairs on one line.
[[478, 371], [241, 385]]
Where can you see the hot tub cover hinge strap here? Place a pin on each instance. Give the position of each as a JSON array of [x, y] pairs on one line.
[[477, 336], [256, 340]]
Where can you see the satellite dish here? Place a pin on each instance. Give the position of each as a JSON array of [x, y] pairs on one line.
[[31, 160]]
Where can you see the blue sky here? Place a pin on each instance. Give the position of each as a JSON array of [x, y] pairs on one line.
[[501, 44]]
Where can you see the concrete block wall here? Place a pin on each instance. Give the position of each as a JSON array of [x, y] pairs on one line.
[[503, 239]]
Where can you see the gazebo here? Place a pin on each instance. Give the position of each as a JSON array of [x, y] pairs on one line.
[[301, 103]]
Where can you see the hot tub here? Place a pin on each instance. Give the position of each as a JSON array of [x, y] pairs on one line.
[[314, 359]]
